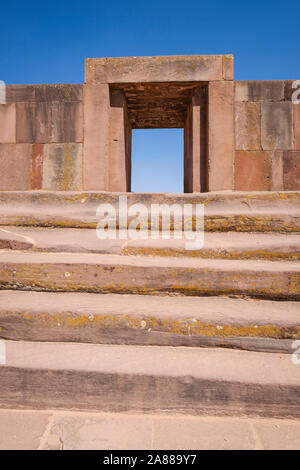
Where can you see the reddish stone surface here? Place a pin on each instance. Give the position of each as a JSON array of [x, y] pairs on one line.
[[220, 136], [259, 90], [290, 86], [36, 176], [291, 171], [296, 112], [72, 92], [18, 93], [15, 167], [276, 126], [62, 167], [276, 180], [96, 129], [228, 67], [7, 123], [247, 126], [154, 69], [26, 122], [195, 143], [252, 171]]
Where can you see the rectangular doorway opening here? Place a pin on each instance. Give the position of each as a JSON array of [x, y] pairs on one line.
[[157, 161]]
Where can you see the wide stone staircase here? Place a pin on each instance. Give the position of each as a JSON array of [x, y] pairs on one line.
[[146, 325]]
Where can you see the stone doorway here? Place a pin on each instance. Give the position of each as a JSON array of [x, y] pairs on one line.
[[194, 93]]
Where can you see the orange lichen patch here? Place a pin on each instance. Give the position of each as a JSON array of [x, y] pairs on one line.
[[211, 254], [190, 327]]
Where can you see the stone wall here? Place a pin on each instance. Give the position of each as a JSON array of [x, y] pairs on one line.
[[43, 133], [41, 136], [267, 136]]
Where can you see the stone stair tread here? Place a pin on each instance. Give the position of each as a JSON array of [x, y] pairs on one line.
[[102, 273], [234, 244], [246, 211], [141, 378], [210, 363], [7, 256], [211, 310], [249, 324]]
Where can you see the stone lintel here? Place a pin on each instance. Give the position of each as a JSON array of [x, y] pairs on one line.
[[159, 69]]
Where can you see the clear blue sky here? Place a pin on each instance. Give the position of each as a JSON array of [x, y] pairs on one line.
[[46, 42]]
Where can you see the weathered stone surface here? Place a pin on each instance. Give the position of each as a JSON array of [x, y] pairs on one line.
[[276, 126], [291, 171], [66, 122], [296, 114], [259, 90], [15, 167], [62, 167], [124, 378], [119, 133], [46, 122], [220, 136], [107, 140], [195, 140], [290, 87], [230, 211], [22, 430], [17, 93], [36, 175], [72, 92], [247, 126], [26, 127], [252, 171], [96, 135], [7, 123], [228, 67], [36, 93], [154, 69], [157, 105], [146, 275], [276, 180], [80, 317]]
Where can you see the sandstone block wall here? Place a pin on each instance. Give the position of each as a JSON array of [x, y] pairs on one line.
[[239, 135], [267, 136], [41, 136]]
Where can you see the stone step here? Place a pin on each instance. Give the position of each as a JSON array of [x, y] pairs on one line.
[[251, 324], [142, 379], [98, 273], [224, 211], [226, 245]]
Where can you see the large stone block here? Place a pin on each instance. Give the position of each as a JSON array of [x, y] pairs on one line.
[[72, 92], [155, 69], [276, 180], [276, 126], [33, 122], [17, 93], [25, 122], [220, 136], [252, 171], [36, 174], [228, 67], [7, 123], [14, 167], [195, 143], [296, 113], [62, 167], [291, 87], [96, 137], [247, 126], [291, 171], [46, 122], [66, 122], [259, 90]]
